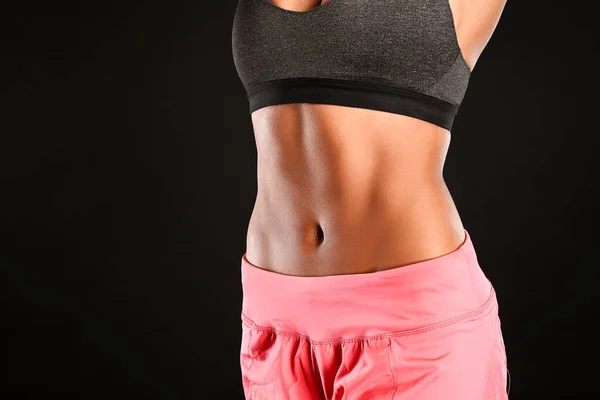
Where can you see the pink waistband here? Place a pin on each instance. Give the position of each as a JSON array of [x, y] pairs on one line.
[[342, 306]]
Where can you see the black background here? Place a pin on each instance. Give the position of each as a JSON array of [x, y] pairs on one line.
[[128, 169]]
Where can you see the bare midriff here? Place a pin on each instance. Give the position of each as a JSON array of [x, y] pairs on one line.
[[345, 190]]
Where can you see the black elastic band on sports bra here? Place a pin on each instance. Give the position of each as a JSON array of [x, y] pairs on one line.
[[352, 94]]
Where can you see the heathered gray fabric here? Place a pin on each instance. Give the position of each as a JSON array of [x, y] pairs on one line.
[[409, 44]]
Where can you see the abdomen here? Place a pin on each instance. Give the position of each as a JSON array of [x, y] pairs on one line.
[[346, 190]]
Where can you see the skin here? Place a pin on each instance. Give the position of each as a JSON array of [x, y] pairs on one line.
[[344, 190]]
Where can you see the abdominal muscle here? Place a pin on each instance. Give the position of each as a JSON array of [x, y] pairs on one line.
[[344, 190]]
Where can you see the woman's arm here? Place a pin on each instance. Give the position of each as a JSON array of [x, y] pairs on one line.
[[475, 22]]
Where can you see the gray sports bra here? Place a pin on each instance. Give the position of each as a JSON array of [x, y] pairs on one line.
[[398, 56]]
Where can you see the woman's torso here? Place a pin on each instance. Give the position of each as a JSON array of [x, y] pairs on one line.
[[345, 190]]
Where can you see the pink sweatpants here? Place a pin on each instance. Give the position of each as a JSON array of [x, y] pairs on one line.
[[426, 331]]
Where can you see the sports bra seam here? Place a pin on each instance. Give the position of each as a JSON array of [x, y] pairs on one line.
[[445, 73]]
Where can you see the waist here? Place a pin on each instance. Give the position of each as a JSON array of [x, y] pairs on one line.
[[300, 236], [397, 301]]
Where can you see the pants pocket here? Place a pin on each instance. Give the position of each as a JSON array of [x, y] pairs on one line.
[[246, 358], [275, 365]]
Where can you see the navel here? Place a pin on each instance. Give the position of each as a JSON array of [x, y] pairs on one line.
[[320, 234]]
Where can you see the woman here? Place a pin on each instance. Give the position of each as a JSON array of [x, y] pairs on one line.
[[359, 279]]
